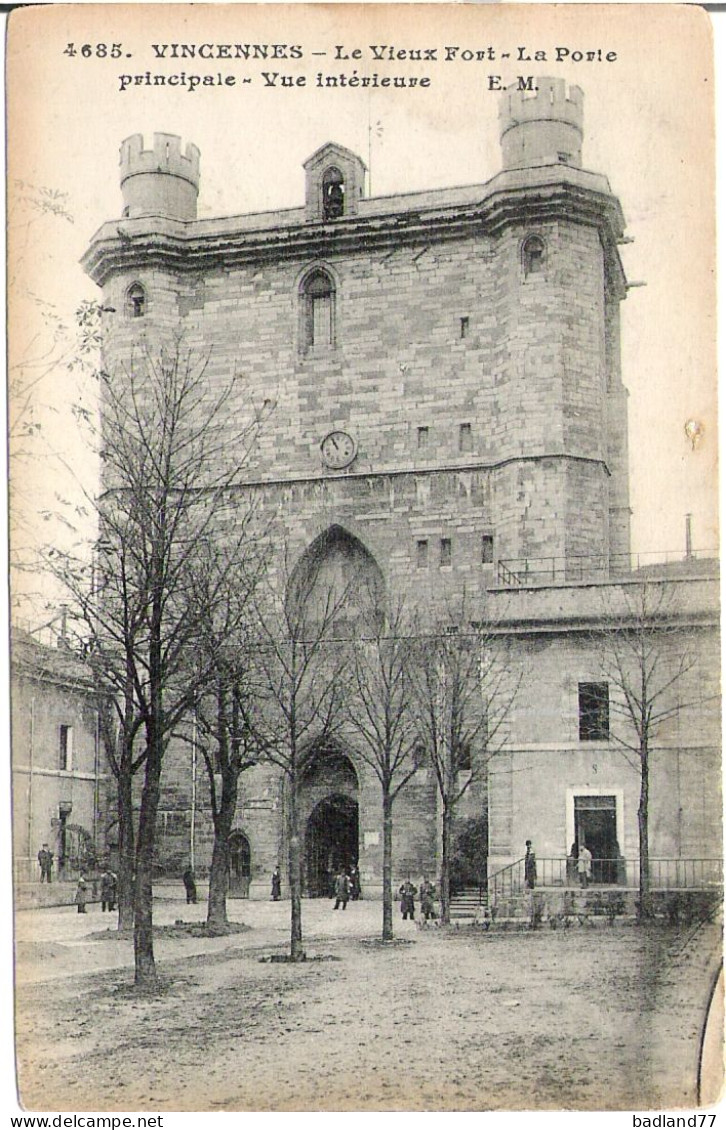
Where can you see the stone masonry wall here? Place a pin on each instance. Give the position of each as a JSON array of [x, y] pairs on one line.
[[445, 356]]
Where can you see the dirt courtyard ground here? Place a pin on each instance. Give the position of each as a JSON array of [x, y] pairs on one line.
[[588, 1019]]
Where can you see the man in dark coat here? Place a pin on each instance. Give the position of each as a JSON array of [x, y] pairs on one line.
[[426, 894], [342, 890], [530, 866], [190, 885], [45, 860], [407, 895], [108, 890], [276, 885]]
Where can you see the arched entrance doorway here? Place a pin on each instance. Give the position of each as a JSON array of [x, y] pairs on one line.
[[328, 810], [240, 865], [331, 843]]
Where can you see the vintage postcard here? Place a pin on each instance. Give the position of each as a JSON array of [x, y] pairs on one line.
[[364, 559]]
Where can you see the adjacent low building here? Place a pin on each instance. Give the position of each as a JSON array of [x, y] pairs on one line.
[[59, 783]]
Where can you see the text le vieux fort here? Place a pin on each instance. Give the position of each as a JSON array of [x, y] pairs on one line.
[[341, 53], [381, 53]]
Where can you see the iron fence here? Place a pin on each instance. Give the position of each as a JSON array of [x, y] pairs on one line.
[[515, 572], [665, 874]]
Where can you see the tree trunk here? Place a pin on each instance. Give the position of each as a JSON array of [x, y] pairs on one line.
[[295, 878], [387, 934], [125, 891], [219, 873], [645, 910], [145, 965], [445, 863]]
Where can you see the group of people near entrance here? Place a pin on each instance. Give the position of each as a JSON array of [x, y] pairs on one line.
[[109, 891], [108, 881], [579, 865], [427, 900], [344, 886]]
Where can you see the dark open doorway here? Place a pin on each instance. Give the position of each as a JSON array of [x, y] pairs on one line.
[[240, 868], [331, 843], [596, 828]]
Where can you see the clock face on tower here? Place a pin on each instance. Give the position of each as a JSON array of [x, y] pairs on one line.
[[338, 450]]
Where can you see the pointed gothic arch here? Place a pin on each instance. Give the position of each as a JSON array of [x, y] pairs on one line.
[[337, 578]]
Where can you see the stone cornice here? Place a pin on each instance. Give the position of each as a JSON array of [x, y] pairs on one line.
[[596, 607], [415, 220], [333, 477]]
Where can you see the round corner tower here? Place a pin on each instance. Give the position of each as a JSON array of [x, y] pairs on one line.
[[561, 396], [543, 126], [161, 181]]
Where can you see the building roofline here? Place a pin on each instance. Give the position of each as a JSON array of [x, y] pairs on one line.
[[530, 195]]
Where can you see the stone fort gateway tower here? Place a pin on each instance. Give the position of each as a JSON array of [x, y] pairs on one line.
[[449, 416]]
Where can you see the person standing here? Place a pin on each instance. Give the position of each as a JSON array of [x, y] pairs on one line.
[[108, 884], [45, 860], [354, 883], [276, 885], [584, 865], [407, 895], [426, 894], [342, 890], [572, 865], [81, 894], [530, 866], [190, 885]]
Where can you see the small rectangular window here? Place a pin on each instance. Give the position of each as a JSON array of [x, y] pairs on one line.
[[464, 327], [445, 552], [487, 549], [464, 437], [65, 749], [594, 707], [422, 437], [422, 554]]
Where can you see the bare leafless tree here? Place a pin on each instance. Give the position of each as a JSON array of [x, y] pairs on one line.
[[645, 656], [380, 712], [464, 687], [224, 580], [45, 353], [171, 466], [301, 659]]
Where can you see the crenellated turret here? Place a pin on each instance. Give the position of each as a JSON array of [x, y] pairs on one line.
[[161, 181], [541, 128]]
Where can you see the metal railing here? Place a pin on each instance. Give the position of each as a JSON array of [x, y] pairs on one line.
[[516, 572], [665, 874]]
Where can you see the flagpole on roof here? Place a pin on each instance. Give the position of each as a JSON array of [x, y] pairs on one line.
[[377, 128]]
